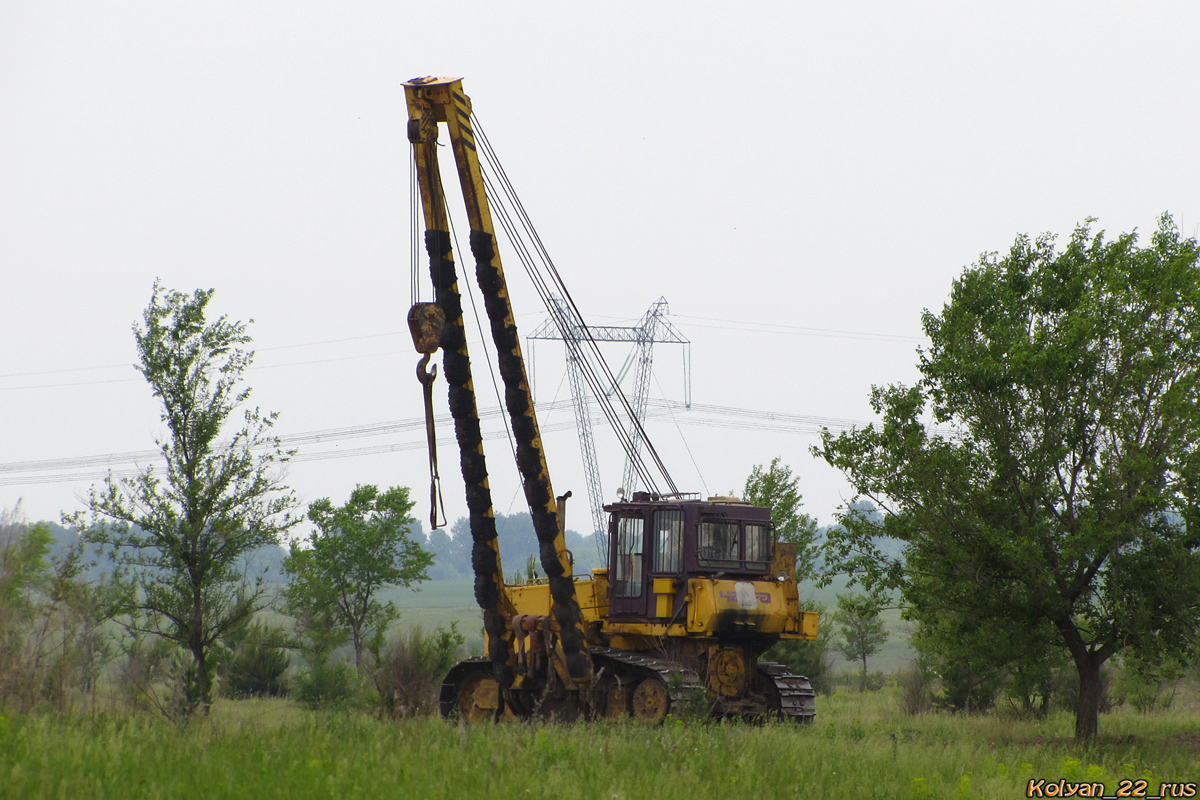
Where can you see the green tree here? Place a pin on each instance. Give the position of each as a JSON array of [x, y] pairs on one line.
[[860, 630], [177, 534], [778, 489], [356, 551], [1061, 485]]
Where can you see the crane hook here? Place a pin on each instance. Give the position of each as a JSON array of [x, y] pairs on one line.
[[427, 377], [426, 322]]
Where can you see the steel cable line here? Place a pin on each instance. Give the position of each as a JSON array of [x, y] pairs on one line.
[[540, 281], [697, 415], [552, 276], [520, 247], [306, 438]]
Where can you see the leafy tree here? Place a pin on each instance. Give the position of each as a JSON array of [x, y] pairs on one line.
[[778, 489], [177, 535], [24, 573], [860, 629], [355, 552], [1061, 488]]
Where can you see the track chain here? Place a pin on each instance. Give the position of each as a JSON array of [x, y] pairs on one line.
[[664, 669], [798, 701]]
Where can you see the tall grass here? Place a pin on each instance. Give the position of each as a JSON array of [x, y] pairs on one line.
[[861, 746]]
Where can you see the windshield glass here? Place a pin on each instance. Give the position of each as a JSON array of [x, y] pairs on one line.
[[720, 544]]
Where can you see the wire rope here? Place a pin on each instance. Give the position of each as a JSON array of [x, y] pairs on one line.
[[595, 369]]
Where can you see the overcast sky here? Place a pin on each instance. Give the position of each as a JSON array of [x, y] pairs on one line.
[[799, 180]]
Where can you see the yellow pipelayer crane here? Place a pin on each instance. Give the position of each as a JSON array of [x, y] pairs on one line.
[[698, 589]]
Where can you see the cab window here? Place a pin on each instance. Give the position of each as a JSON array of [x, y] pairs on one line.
[[758, 545], [627, 575], [668, 540], [720, 544]]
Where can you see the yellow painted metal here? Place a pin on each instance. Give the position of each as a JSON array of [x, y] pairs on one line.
[[617, 702], [784, 563], [650, 701], [808, 625], [532, 598], [427, 107], [664, 596], [478, 698], [445, 101], [758, 607], [442, 100], [487, 694]]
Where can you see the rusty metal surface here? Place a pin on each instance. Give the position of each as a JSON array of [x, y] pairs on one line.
[[426, 322], [677, 679], [798, 701], [650, 701], [727, 675], [455, 684]]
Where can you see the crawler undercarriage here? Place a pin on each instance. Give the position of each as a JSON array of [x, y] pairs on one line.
[[630, 685]]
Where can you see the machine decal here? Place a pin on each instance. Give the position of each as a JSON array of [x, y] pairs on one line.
[[735, 597], [746, 598]]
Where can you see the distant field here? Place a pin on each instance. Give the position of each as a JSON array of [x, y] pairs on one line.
[[894, 655], [861, 746], [440, 603], [444, 602]]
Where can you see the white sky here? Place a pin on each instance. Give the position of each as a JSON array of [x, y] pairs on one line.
[[819, 166]]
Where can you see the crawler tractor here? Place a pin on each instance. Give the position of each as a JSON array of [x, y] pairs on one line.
[[696, 590]]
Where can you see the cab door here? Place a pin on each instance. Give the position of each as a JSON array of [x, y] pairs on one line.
[[628, 591], [666, 582]]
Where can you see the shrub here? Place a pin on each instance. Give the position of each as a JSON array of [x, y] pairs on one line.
[[1146, 687], [408, 673], [916, 690], [327, 684], [258, 665]]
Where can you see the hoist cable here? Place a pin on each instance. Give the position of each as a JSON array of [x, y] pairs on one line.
[[528, 262], [520, 247], [627, 439], [571, 327], [594, 381]]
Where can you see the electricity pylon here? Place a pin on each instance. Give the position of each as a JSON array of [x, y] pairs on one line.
[[652, 328]]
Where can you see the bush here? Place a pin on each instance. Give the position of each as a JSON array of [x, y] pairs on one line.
[[916, 690], [1146, 687], [52, 638], [327, 684], [258, 665], [409, 672], [854, 680], [967, 687]]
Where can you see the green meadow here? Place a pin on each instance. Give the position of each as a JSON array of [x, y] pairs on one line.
[[862, 745]]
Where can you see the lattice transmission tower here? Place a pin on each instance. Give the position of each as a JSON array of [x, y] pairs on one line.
[[653, 328]]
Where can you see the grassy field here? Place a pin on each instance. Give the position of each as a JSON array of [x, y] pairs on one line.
[[861, 746], [441, 603]]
